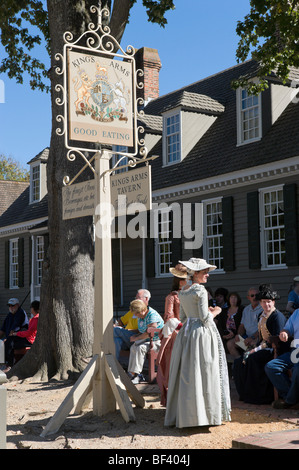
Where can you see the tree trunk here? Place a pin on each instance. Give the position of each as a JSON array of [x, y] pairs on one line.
[[65, 329]]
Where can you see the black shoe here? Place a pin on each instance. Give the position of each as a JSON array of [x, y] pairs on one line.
[[281, 405]]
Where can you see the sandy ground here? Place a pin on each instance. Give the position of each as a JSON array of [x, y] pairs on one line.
[[30, 406]]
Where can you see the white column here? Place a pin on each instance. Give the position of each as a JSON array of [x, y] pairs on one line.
[[3, 418], [103, 397]]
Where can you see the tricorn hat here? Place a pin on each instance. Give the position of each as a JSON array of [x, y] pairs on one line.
[[266, 292]]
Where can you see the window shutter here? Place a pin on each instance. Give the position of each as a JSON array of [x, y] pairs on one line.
[[21, 262], [6, 281], [115, 248], [150, 250], [253, 223], [176, 242], [30, 261], [228, 234], [176, 251], [196, 252], [290, 222]]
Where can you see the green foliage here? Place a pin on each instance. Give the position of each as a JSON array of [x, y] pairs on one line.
[[270, 32], [11, 170], [156, 10], [15, 16]]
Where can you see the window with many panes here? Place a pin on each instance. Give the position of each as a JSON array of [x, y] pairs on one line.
[[213, 235], [249, 117], [163, 242], [14, 263], [273, 229], [172, 138], [39, 258], [35, 183]]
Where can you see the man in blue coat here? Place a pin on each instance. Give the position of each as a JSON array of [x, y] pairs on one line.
[[15, 320], [277, 369]]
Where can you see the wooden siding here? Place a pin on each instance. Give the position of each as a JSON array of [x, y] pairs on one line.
[[132, 270], [242, 278], [20, 293]]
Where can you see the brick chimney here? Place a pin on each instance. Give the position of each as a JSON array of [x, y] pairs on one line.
[[148, 60]]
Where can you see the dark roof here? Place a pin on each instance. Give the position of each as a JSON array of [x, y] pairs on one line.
[[21, 211], [9, 191], [42, 156], [217, 152]]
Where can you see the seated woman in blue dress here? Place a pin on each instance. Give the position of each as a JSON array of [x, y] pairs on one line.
[[252, 383]]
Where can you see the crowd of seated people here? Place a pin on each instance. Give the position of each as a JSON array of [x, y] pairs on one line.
[[248, 333]]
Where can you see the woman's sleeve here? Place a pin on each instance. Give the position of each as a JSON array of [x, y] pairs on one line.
[[169, 308], [32, 328], [204, 313]]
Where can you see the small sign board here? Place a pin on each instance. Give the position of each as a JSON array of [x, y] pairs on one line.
[[127, 188], [131, 187], [100, 92], [78, 200]]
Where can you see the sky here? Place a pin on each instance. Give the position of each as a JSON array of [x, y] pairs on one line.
[[199, 40]]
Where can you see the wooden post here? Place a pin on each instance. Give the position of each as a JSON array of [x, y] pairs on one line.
[[103, 397], [3, 379]]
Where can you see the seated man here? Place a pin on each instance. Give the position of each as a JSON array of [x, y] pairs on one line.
[[277, 369], [25, 338], [15, 320], [248, 328], [147, 317], [128, 325]]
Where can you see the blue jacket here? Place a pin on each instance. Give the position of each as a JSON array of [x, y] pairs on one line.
[[15, 321]]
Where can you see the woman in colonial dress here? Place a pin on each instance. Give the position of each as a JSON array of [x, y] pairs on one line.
[[198, 387], [252, 383], [171, 328]]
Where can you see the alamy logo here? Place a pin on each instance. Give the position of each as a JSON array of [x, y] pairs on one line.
[[161, 222], [295, 352], [2, 92]]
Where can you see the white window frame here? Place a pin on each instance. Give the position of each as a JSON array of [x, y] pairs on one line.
[[209, 237], [277, 230], [39, 259], [176, 113], [14, 263], [35, 194], [240, 116], [163, 244]]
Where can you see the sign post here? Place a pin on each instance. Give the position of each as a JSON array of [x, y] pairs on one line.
[[103, 399], [100, 111]]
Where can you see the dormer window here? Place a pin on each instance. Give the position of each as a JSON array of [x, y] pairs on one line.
[[35, 183], [249, 117], [172, 137]]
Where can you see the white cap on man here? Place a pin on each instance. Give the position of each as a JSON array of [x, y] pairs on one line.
[[13, 301]]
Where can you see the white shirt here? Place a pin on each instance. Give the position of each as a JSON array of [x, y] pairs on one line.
[[250, 319]]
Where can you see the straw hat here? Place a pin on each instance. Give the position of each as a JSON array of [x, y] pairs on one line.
[[179, 271]]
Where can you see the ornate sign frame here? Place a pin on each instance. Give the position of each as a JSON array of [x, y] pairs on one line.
[[100, 45]]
